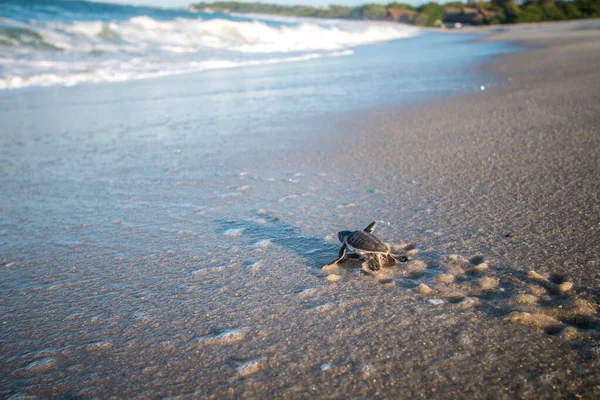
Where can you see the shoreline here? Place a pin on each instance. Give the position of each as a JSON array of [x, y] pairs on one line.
[[509, 175], [166, 271]]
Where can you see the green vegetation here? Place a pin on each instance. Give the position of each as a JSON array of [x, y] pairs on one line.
[[429, 14], [369, 11], [432, 14], [402, 6]]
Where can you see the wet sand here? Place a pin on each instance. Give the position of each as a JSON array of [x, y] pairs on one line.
[[153, 275]]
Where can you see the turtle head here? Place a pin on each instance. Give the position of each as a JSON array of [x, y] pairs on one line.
[[343, 235]]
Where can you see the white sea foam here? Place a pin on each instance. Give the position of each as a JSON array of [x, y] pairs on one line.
[[69, 53]]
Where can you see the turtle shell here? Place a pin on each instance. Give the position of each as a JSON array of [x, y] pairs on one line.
[[366, 242]]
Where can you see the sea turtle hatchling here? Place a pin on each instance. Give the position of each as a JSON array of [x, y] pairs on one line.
[[364, 243]]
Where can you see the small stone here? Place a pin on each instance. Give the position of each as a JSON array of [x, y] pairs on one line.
[[333, 278], [436, 302], [325, 367], [423, 289]]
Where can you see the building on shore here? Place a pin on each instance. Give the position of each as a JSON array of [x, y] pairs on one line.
[[467, 15], [400, 15]]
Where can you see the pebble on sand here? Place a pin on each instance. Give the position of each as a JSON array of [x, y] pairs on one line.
[[333, 278], [423, 289], [436, 302]]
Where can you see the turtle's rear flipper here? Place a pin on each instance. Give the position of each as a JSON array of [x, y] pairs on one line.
[[374, 264], [397, 258], [366, 267]]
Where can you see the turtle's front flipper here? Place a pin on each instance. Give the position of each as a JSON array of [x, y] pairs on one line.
[[341, 255], [371, 227]]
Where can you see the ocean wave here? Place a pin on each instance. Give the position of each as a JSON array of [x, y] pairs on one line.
[[51, 73], [42, 53]]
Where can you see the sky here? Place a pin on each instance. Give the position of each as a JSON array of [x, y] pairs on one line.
[[314, 3]]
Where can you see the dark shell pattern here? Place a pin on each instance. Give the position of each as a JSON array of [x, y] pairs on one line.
[[365, 241]]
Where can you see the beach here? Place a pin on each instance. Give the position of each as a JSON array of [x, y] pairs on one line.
[[147, 257]]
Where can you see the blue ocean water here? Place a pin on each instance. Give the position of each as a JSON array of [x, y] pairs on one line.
[[235, 69], [52, 42]]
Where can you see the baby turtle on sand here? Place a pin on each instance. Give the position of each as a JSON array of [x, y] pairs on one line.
[[364, 243]]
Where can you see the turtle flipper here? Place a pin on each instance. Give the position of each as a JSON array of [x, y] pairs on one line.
[[399, 258], [371, 227], [341, 255], [374, 264]]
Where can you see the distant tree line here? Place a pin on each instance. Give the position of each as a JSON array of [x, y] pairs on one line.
[[430, 14]]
